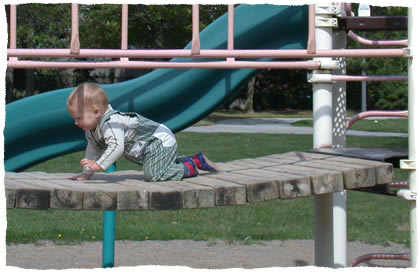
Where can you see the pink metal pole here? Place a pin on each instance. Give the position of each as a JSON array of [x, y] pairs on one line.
[[231, 24], [12, 40], [207, 53], [347, 8], [366, 114], [74, 43], [195, 44], [166, 64], [311, 47], [368, 78], [362, 40], [124, 29]]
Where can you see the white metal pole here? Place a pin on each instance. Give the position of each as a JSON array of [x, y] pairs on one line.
[[364, 94], [412, 143], [330, 211], [364, 10], [410, 163], [339, 94]]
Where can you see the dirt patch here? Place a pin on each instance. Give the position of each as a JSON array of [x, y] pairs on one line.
[[194, 254]]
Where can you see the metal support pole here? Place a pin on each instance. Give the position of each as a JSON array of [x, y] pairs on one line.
[[330, 209], [231, 29], [195, 42], [339, 95], [364, 94], [364, 10], [124, 29], [412, 116], [108, 233], [75, 42]]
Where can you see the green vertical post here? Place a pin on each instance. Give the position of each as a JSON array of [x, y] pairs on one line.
[[108, 233]]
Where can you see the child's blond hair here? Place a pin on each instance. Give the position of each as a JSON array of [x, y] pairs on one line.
[[91, 94]]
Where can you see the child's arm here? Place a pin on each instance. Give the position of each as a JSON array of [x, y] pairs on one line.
[[94, 161], [114, 140], [91, 165], [91, 154]]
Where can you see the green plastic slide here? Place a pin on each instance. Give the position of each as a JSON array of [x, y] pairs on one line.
[[38, 128]]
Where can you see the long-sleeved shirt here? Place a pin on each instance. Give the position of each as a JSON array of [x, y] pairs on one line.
[[123, 134]]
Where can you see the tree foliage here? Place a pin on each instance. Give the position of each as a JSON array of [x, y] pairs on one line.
[[36, 30], [380, 95]]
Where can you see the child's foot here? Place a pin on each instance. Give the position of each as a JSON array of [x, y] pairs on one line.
[[203, 163]]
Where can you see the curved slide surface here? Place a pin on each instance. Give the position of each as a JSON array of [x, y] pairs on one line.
[[38, 128]]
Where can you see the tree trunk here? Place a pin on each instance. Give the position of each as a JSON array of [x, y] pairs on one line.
[[249, 102], [29, 82], [9, 85]]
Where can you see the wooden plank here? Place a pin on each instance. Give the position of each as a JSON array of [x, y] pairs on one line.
[[354, 177], [258, 162], [61, 196], [141, 195], [105, 196], [226, 193], [377, 154], [193, 195], [132, 198], [11, 191], [322, 182], [257, 189], [236, 165], [29, 196], [289, 186], [277, 160], [128, 193], [11, 195], [133, 174], [225, 167], [289, 175], [161, 197], [70, 194], [11, 175], [300, 156], [119, 176], [384, 171]]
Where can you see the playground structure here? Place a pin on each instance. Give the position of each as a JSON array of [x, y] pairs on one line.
[[315, 24]]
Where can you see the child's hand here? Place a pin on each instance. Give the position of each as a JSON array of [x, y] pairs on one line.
[[92, 165], [84, 176]]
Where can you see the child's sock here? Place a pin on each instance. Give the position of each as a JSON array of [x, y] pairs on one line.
[[189, 168]]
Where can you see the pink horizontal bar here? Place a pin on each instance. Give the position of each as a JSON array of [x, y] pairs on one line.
[[167, 64], [206, 53], [366, 114], [368, 78], [362, 40]]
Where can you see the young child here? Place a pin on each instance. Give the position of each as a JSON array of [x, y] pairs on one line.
[[111, 134]]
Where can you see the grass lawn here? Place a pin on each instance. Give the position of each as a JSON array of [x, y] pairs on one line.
[[371, 218]]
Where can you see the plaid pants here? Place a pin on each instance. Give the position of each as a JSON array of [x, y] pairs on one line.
[[162, 163]]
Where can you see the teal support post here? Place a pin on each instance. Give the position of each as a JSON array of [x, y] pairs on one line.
[[108, 235]]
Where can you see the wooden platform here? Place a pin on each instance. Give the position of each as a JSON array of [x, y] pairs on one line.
[[392, 155], [284, 176]]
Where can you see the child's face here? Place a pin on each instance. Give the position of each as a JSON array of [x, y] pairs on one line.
[[86, 118]]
